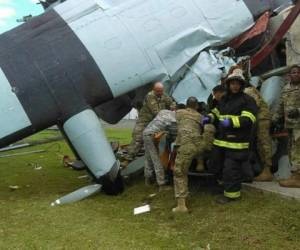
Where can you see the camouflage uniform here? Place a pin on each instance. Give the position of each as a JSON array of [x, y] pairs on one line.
[[290, 100], [161, 122], [151, 106], [191, 143], [264, 140]]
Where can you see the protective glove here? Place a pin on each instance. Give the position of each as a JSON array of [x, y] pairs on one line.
[[205, 120], [293, 113], [226, 123]]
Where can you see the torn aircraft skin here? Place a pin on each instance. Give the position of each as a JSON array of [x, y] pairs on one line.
[[204, 75], [59, 66]]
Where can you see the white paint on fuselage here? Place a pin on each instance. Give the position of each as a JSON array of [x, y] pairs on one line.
[[137, 41], [13, 116]]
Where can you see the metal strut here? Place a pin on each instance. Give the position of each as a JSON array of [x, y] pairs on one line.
[[284, 27]]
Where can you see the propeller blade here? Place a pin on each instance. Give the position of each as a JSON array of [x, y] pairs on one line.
[[135, 167], [78, 195]]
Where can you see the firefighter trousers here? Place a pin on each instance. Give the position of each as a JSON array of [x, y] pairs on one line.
[[228, 166]]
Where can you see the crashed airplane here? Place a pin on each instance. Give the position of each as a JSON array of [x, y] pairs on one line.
[[85, 59]]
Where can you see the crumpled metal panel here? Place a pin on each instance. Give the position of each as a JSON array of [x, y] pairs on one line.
[[137, 41], [203, 76], [292, 36], [260, 26], [215, 28]]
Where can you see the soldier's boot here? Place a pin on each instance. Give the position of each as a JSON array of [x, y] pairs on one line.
[[265, 175], [181, 206], [292, 182], [200, 165]]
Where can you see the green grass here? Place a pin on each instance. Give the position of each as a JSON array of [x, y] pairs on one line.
[[27, 221], [122, 135]]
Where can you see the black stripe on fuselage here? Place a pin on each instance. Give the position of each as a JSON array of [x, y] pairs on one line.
[[53, 74]]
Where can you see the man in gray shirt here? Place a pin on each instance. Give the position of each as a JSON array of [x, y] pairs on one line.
[[163, 120]]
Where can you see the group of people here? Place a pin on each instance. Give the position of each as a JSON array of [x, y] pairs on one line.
[[238, 121]]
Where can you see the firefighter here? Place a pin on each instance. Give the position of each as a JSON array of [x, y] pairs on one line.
[[234, 117]]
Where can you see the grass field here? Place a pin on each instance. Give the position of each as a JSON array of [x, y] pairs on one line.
[[27, 221]]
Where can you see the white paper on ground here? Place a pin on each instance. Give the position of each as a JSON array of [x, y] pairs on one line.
[[142, 209]]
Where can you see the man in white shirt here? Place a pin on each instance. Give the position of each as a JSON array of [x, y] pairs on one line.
[[163, 120]]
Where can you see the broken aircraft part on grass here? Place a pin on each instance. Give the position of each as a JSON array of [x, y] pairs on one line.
[[78, 195], [59, 67]]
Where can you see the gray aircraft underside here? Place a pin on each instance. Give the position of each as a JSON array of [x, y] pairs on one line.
[[87, 57]]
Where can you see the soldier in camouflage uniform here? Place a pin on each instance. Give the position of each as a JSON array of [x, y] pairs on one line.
[[289, 109], [264, 140], [190, 143], [161, 123], [155, 101]]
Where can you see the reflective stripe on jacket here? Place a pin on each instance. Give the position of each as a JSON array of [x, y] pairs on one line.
[[242, 111]]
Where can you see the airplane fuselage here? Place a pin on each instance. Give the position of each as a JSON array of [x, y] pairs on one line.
[[57, 67]]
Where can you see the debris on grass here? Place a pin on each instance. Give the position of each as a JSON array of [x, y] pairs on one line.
[[83, 176], [66, 160], [73, 164], [23, 153], [13, 188], [35, 166], [152, 195], [141, 210], [78, 194]]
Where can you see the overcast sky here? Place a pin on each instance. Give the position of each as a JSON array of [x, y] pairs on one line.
[[10, 10]]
